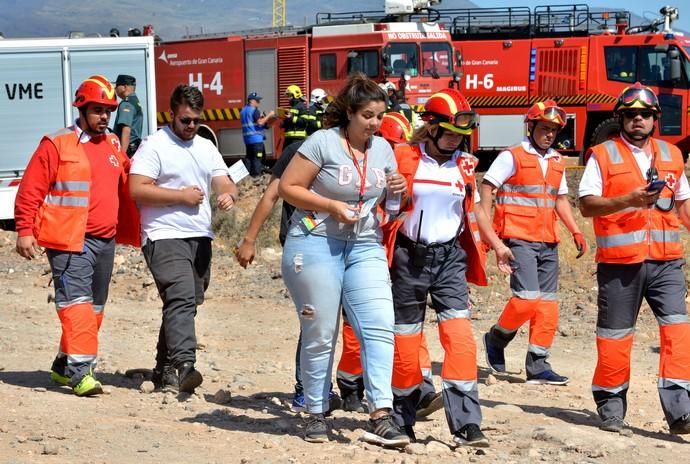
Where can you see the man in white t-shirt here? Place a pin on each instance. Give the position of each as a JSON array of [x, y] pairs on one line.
[[173, 175], [635, 189], [529, 179]]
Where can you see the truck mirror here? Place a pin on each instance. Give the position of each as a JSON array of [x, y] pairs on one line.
[[674, 60]]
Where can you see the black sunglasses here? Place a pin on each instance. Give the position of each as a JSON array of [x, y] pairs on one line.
[[632, 114], [188, 121]]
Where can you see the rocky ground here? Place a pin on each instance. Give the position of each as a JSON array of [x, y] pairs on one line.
[[247, 333]]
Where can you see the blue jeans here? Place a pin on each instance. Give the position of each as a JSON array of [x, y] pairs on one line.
[[321, 273]]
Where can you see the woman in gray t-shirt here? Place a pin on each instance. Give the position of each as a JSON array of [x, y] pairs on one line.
[[333, 254]]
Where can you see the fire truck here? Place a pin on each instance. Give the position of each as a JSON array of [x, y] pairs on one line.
[[513, 57], [415, 56]]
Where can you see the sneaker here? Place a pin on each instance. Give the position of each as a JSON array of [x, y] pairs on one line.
[[385, 432], [471, 435], [681, 426], [494, 355], [88, 386], [547, 377], [613, 424], [429, 404], [316, 430], [298, 404], [165, 376], [59, 378], [352, 402], [409, 431], [189, 377]]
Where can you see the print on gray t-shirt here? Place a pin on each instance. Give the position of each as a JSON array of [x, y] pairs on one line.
[[338, 179]]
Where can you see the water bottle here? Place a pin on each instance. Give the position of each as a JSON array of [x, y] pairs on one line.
[[392, 199]]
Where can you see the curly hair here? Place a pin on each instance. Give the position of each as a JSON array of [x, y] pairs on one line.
[[358, 91]]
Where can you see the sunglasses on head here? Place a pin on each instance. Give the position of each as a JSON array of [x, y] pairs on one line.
[[188, 121], [632, 114]]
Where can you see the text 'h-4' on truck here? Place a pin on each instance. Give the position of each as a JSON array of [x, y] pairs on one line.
[[415, 55], [38, 79], [514, 57]]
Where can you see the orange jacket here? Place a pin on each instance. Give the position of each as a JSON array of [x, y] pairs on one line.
[[526, 202], [636, 234], [408, 158], [60, 223]]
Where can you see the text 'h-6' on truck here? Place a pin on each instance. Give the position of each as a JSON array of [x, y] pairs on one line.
[[417, 57], [514, 57], [38, 79]]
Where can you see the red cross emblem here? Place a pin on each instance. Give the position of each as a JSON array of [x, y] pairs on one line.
[[116, 144], [459, 184], [467, 166], [671, 180], [557, 158]]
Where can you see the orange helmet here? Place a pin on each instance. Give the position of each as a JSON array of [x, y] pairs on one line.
[[395, 128], [450, 110], [637, 96], [95, 89], [547, 111]]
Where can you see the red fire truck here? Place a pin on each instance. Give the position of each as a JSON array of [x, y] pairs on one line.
[[416, 56], [514, 57]]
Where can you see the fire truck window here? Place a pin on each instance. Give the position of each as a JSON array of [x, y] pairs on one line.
[[404, 57], [365, 61], [436, 59], [655, 68], [621, 63], [327, 69], [671, 114]]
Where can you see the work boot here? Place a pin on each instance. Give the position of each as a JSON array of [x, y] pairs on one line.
[[352, 401], [164, 377], [613, 424], [681, 426], [494, 355], [547, 378], [471, 435], [189, 377], [88, 386], [429, 404]]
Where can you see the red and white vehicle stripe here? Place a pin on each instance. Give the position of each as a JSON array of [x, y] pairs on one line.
[[11, 182]]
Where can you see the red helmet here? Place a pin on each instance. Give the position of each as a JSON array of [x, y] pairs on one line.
[[395, 128], [637, 96], [547, 111], [450, 110], [95, 89]]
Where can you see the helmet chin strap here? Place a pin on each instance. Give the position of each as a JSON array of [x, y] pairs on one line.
[[635, 137], [435, 138]]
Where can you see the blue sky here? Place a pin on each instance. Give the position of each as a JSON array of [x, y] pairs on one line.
[[645, 9]]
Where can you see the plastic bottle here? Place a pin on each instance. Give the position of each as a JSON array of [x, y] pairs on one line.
[[392, 199]]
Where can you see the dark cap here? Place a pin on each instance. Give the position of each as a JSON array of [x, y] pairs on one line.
[[124, 79], [254, 96]]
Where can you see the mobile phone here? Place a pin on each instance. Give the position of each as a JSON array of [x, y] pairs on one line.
[[656, 186]]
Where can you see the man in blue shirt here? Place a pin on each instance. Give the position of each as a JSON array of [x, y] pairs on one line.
[[254, 122]]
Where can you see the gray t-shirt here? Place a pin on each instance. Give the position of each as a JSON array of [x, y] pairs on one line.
[[338, 179]]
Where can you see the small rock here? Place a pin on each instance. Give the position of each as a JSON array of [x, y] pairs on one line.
[[626, 432], [39, 389], [417, 449], [147, 387], [276, 401], [51, 449], [436, 448], [222, 396], [14, 291], [491, 380]]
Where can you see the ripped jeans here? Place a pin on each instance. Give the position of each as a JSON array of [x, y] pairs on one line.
[[320, 272]]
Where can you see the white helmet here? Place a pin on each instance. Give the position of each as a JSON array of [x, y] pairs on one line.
[[388, 85], [317, 95]]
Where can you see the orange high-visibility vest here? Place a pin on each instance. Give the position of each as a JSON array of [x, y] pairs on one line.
[[408, 158], [633, 235], [526, 202], [60, 223]]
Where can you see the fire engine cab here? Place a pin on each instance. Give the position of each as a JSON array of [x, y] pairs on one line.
[[417, 57], [513, 57]]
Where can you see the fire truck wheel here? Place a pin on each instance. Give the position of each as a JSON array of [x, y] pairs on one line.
[[607, 129]]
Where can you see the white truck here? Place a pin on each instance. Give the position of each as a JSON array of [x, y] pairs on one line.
[[38, 79]]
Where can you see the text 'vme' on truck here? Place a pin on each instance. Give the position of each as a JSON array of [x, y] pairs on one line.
[[514, 57], [416, 56]]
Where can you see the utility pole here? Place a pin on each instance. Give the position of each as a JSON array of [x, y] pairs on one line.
[[279, 13]]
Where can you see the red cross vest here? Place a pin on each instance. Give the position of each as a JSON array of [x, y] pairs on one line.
[[633, 235], [408, 158], [60, 223], [526, 202]]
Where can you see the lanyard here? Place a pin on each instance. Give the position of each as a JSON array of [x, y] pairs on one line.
[[362, 172]]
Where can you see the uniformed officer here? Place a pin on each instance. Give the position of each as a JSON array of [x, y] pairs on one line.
[[130, 117]]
